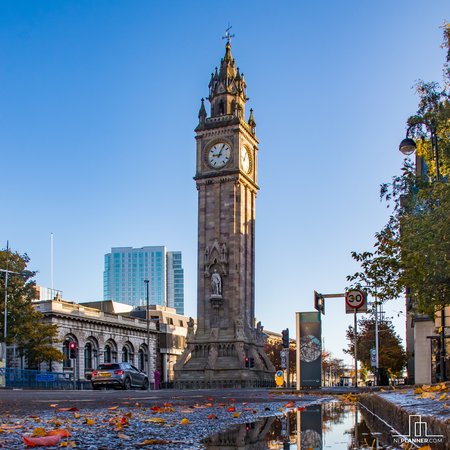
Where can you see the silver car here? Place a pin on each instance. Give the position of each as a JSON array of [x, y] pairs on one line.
[[118, 375]]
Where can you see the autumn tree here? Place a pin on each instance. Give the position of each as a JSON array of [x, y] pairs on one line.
[[391, 354], [413, 249], [332, 367], [273, 352], [32, 337]]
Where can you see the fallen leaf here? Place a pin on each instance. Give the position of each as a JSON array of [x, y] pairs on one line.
[[236, 415], [231, 409], [53, 405], [442, 397], [155, 420], [44, 441], [90, 422], [72, 444], [212, 416], [123, 436], [184, 421], [72, 408], [112, 408], [153, 442], [167, 404], [289, 405], [59, 432], [77, 415]]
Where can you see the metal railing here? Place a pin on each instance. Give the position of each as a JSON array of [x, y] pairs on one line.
[[34, 379]]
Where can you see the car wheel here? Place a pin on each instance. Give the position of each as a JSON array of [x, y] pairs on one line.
[[145, 385], [127, 384]]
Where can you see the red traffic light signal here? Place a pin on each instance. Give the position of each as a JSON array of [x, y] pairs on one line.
[[72, 350], [247, 362]]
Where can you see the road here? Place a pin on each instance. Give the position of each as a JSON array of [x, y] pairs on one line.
[[20, 402]]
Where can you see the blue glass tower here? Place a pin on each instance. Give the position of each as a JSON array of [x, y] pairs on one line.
[[126, 268]]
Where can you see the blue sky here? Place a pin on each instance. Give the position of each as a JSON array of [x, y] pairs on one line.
[[99, 101]]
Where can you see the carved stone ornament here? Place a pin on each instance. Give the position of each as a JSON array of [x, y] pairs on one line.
[[216, 258]]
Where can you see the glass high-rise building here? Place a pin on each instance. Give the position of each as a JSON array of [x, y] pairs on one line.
[[126, 268]]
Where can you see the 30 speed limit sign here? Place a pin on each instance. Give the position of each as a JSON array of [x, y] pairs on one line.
[[355, 300]]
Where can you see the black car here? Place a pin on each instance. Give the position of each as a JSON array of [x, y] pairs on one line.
[[118, 375]]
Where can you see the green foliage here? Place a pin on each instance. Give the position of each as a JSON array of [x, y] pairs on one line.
[[391, 354], [25, 326], [413, 249]]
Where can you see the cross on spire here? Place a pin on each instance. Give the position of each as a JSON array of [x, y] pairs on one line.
[[228, 36]]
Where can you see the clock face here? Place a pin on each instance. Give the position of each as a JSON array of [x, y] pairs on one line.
[[245, 160], [219, 155]]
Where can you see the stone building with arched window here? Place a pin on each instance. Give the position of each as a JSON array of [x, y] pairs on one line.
[[110, 335]]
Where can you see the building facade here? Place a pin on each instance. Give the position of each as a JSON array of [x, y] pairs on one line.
[[100, 337], [226, 181], [126, 268]]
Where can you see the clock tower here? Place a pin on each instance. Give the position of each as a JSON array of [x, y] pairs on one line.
[[227, 349]]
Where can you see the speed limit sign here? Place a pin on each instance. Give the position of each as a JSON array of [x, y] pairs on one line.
[[355, 299]]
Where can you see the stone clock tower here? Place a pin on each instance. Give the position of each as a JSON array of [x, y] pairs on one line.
[[226, 350]]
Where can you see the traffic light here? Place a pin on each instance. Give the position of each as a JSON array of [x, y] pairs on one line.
[[319, 302], [252, 362], [247, 362], [72, 350], [285, 338]]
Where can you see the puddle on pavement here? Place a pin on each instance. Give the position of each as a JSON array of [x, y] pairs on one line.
[[334, 425]]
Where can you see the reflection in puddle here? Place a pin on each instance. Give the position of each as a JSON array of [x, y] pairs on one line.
[[332, 425]]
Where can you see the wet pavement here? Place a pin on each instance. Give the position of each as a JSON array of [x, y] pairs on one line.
[[231, 419]]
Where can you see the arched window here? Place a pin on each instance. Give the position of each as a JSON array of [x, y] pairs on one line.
[[125, 354], [88, 356], [67, 362], [107, 355], [142, 359]]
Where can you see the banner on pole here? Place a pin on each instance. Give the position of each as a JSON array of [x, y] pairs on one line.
[[310, 345]]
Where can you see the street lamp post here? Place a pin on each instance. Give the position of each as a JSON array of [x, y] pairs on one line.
[[407, 147], [147, 318]]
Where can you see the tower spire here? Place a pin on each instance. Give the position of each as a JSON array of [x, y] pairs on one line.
[[227, 86]]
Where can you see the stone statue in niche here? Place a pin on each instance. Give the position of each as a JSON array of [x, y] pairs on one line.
[[216, 283]]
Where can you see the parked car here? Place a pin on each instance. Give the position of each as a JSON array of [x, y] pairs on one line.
[[118, 375]]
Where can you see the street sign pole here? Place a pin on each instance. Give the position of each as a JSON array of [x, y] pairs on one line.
[[356, 354], [288, 385]]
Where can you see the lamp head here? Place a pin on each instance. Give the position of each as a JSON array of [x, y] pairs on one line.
[[407, 146]]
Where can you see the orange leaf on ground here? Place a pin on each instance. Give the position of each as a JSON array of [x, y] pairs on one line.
[[231, 409], [112, 408], [236, 415], [72, 408], [76, 415], [212, 416], [44, 441], [289, 405], [167, 404], [59, 432], [184, 421]]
